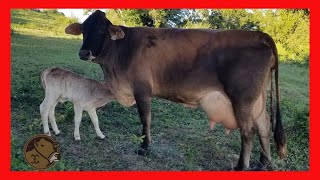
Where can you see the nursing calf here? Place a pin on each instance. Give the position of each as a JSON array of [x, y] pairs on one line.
[[62, 85]]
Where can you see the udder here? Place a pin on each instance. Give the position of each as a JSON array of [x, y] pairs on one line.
[[219, 110]]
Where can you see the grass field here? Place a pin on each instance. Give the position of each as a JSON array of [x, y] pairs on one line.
[[181, 136]]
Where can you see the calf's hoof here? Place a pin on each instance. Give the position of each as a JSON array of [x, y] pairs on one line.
[[47, 133], [142, 152], [77, 138], [57, 132], [102, 137]]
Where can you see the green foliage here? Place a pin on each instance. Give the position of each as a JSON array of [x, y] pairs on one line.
[[198, 18], [51, 11], [233, 19], [47, 22], [136, 141], [288, 28], [129, 17], [148, 17]]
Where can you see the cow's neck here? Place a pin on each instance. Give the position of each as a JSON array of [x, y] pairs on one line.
[[117, 55]]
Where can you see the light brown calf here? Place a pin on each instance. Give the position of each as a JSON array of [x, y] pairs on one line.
[[62, 85]]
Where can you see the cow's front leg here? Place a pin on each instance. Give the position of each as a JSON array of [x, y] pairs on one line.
[[143, 101]]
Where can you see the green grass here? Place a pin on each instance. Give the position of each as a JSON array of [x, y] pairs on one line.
[[47, 23], [181, 139]]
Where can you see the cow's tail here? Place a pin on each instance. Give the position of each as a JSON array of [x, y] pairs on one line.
[[43, 77], [280, 136]]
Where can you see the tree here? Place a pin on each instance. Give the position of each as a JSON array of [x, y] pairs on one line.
[[130, 17], [289, 28], [148, 17]]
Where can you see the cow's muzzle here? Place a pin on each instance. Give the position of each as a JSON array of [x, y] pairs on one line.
[[86, 55]]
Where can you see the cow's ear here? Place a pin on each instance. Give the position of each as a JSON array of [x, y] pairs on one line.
[[74, 29], [115, 32]]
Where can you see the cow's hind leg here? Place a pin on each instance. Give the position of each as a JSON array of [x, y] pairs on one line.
[[263, 126], [262, 122], [246, 124]]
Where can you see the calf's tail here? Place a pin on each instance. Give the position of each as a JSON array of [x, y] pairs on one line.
[[43, 77]]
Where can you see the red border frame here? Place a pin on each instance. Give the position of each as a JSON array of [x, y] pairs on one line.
[[5, 81]]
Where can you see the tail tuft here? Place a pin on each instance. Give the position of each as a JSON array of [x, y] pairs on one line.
[[280, 137]]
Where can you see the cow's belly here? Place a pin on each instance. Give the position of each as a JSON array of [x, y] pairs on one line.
[[219, 109]]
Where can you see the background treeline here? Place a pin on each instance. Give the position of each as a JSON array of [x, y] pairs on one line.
[[289, 27]]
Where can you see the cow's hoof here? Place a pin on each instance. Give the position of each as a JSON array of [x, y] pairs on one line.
[[261, 167], [142, 152], [102, 137], [240, 168], [77, 138]]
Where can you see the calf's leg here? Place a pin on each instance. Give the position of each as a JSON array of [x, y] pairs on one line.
[[44, 111], [52, 119], [94, 118], [77, 119], [49, 100]]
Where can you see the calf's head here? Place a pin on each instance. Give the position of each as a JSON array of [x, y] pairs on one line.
[[95, 29]]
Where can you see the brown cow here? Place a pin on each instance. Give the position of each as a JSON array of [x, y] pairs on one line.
[[195, 67]]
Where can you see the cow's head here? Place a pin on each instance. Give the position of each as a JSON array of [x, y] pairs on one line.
[[95, 29]]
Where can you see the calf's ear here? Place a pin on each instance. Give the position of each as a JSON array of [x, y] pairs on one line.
[[74, 29], [116, 32]]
